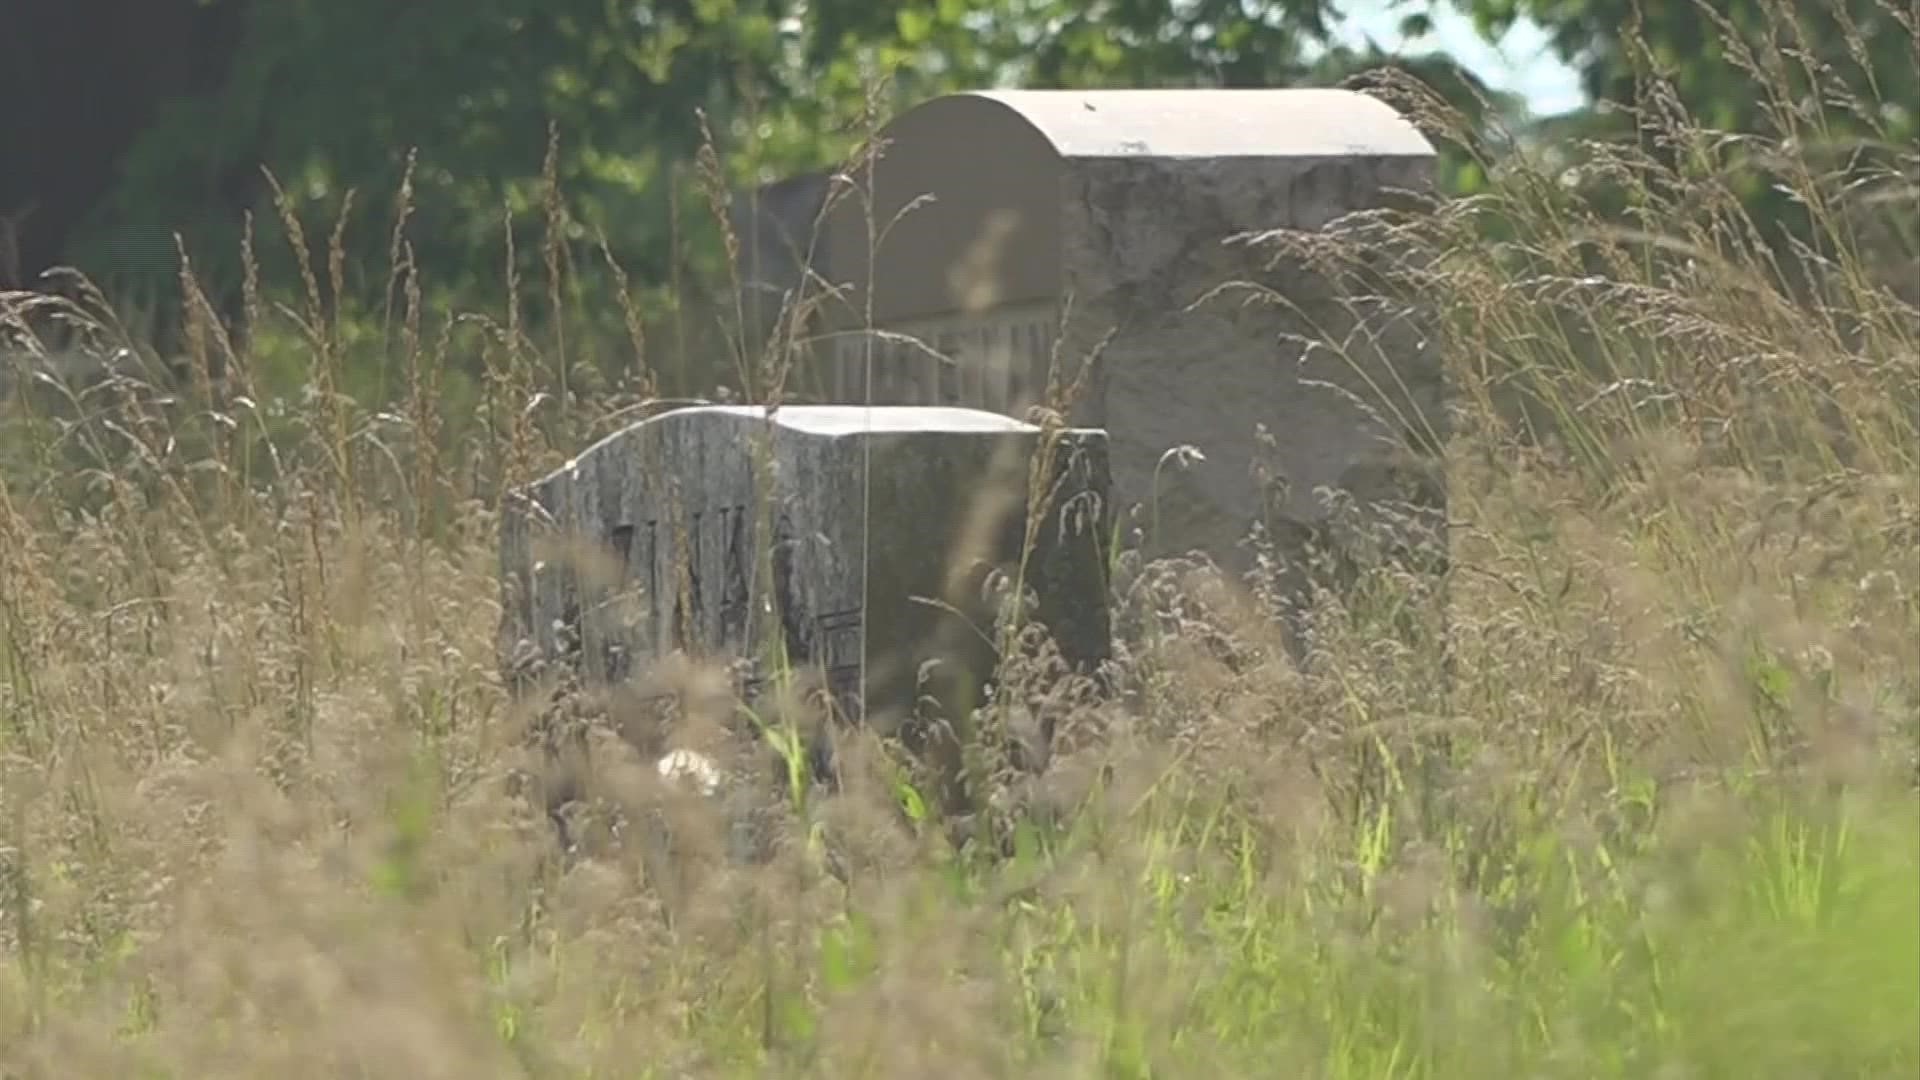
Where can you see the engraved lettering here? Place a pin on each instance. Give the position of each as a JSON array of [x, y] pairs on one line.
[[734, 602], [841, 640], [994, 360], [696, 568], [618, 650], [653, 578], [686, 584], [623, 548]]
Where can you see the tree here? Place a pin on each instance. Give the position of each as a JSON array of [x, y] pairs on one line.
[[1802, 112], [1836, 78], [80, 81], [334, 95], [1737, 64]]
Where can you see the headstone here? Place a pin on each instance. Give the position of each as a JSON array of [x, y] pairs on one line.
[[858, 540], [1116, 208], [775, 227]]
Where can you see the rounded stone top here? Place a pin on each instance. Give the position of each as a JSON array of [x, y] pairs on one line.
[[728, 422], [870, 419], [971, 188], [1200, 123]]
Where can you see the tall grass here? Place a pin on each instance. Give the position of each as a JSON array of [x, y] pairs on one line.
[[267, 808]]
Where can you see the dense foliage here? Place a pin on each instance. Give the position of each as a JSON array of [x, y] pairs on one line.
[[334, 94], [185, 101]]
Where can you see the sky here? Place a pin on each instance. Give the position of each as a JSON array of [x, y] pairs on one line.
[[1522, 62]]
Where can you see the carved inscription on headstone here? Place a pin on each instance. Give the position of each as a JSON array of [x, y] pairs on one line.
[[997, 361]]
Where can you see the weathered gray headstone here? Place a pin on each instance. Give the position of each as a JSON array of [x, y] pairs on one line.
[[1116, 207], [881, 526]]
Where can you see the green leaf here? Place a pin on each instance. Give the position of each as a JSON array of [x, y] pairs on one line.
[[911, 803], [916, 24]]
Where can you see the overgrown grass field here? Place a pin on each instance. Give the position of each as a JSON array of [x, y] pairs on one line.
[[266, 808]]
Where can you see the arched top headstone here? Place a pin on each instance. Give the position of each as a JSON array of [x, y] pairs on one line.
[[1021, 232], [986, 169], [1201, 123]]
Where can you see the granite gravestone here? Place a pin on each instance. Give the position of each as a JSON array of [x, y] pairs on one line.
[[1116, 208], [880, 528]]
